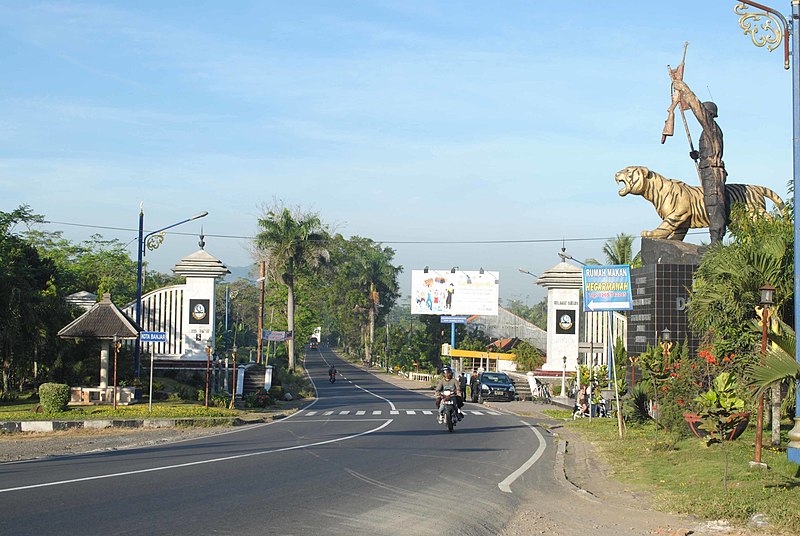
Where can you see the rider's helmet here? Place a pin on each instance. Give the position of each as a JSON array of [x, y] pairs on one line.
[[448, 372]]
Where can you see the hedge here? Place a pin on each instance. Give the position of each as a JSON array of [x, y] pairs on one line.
[[53, 397]]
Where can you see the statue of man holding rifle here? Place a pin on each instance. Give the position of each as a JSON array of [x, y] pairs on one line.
[[708, 157]]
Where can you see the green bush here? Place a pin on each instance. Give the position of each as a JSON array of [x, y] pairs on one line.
[[220, 400], [276, 391], [259, 399], [53, 397]]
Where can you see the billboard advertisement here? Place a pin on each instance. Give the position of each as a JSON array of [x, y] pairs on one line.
[[444, 292]]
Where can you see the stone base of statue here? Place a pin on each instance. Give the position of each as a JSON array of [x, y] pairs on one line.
[[660, 289], [659, 251]]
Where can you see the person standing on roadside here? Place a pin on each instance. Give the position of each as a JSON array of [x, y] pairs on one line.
[[473, 385]]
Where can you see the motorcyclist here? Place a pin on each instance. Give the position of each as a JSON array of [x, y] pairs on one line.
[[332, 372], [446, 382]]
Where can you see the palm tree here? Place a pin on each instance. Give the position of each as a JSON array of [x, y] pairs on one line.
[[378, 278], [619, 250], [291, 244], [779, 366], [726, 287]]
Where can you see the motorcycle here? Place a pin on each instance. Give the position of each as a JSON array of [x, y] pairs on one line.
[[332, 377], [450, 410]]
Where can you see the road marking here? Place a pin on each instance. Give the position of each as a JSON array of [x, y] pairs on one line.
[[505, 485], [391, 404], [414, 411], [191, 464]]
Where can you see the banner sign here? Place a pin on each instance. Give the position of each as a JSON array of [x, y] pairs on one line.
[[454, 292], [153, 336], [607, 288], [453, 320], [276, 336]]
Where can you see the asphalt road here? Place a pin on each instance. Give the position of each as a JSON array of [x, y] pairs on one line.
[[365, 458]]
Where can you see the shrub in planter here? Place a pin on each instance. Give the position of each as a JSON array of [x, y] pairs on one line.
[[720, 410], [276, 391], [53, 397]]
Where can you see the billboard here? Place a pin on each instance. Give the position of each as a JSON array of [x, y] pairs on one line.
[[444, 292]]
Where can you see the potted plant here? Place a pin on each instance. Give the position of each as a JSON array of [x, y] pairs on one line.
[[720, 412]]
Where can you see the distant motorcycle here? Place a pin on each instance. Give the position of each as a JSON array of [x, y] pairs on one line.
[[332, 376], [450, 409]]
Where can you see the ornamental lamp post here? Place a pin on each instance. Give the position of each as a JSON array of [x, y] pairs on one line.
[[153, 240], [767, 299], [666, 344], [776, 30], [564, 378]]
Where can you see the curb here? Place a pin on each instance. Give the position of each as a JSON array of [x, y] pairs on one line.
[[98, 424]]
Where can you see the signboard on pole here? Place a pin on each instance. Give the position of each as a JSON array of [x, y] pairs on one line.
[[454, 292], [453, 320], [607, 288], [276, 336], [153, 336]]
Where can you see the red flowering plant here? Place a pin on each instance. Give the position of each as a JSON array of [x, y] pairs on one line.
[[676, 378]]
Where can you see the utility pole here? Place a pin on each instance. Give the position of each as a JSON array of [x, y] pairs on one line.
[[262, 279]]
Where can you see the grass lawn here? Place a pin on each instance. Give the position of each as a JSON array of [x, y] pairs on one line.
[[689, 477]]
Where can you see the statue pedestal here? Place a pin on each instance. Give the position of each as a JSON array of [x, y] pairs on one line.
[[660, 251]]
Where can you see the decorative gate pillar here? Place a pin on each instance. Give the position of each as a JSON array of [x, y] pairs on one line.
[[563, 283], [201, 271]]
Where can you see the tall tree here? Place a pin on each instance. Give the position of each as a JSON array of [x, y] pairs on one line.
[[377, 279], [725, 292], [26, 279], [291, 242]]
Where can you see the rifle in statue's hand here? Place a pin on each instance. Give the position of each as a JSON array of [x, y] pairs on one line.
[[675, 74]]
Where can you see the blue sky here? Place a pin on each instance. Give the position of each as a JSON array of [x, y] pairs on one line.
[[403, 121]]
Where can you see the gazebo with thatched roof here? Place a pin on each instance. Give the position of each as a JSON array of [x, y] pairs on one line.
[[105, 322]]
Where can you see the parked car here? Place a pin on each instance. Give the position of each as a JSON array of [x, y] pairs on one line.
[[494, 386]]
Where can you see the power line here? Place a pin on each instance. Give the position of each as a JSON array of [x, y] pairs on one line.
[[419, 242]]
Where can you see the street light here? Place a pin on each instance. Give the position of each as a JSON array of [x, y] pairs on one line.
[[767, 298], [152, 243], [771, 40], [564, 378], [523, 271]]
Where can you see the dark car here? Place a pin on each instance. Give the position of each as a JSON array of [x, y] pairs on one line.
[[494, 386]]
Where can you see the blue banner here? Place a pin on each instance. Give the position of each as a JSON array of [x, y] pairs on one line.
[[607, 288]]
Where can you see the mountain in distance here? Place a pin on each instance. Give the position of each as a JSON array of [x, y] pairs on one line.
[[242, 272]]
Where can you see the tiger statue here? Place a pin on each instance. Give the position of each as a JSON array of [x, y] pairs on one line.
[[681, 206]]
